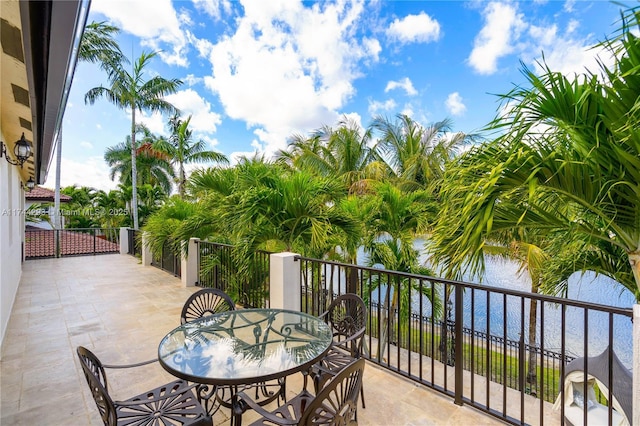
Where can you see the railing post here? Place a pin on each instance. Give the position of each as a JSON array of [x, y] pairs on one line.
[[93, 232], [56, 237], [459, 340], [189, 263], [284, 281], [146, 251], [124, 240]]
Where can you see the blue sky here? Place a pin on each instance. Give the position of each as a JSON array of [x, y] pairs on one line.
[[256, 72]]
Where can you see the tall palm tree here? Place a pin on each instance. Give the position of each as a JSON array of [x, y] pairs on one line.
[[180, 149], [131, 90], [97, 45]]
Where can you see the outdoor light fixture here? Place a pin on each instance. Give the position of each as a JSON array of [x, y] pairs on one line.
[[22, 151], [30, 184]]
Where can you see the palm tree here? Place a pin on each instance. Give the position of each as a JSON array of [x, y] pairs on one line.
[[570, 149], [417, 155], [113, 207], [150, 169], [397, 218], [130, 90], [81, 209], [181, 150], [97, 45], [294, 211], [346, 153]]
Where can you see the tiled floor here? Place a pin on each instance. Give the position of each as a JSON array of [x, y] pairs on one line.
[[121, 310]]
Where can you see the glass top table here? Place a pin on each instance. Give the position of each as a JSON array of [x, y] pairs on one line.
[[244, 346]]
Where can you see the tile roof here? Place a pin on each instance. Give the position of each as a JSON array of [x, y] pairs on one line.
[[42, 243], [43, 194]]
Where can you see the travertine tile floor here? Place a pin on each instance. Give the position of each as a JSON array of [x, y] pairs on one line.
[[121, 310]]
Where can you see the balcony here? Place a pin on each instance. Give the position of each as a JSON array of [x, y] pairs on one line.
[[121, 310]]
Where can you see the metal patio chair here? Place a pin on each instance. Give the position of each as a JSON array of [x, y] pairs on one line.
[[206, 301], [335, 404], [347, 317], [174, 403]]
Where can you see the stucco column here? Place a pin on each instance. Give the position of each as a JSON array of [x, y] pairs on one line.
[[147, 257], [284, 281], [636, 365], [124, 241], [189, 267]]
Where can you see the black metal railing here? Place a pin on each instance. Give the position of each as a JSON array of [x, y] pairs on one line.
[[501, 351], [169, 260], [134, 240], [42, 243], [245, 277]]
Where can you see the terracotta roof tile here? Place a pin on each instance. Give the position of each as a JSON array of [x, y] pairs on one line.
[[43, 194], [42, 243]]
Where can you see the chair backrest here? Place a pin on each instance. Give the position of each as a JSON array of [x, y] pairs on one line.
[[207, 301], [347, 316], [337, 402], [97, 381]]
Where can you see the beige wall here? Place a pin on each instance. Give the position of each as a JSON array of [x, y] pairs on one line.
[[11, 239]]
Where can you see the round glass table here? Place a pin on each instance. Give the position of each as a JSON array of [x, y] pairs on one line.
[[244, 347]]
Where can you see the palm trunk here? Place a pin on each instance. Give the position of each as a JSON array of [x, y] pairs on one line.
[[134, 170], [182, 181]]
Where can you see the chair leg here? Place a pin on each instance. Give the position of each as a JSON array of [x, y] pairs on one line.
[[362, 396]]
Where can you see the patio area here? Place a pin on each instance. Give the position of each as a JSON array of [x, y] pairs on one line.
[[121, 310]]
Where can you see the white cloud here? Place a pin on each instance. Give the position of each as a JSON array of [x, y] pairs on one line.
[[86, 144], [501, 30], [189, 102], [566, 52], [213, 8], [92, 172], [506, 32], [405, 84], [454, 104], [192, 80], [155, 22], [376, 107], [288, 68], [419, 28], [155, 122], [568, 5]]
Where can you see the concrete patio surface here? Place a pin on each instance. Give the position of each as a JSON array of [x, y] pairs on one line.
[[121, 310]]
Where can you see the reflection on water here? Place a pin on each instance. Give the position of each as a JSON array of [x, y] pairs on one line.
[[578, 322]]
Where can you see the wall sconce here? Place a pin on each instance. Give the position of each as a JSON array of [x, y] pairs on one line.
[[30, 184], [22, 151]]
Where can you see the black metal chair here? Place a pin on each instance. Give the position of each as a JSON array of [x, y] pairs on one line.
[[335, 404], [174, 403], [347, 317], [207, 301]]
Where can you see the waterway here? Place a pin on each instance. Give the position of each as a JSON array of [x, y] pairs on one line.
[[588, 287]]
